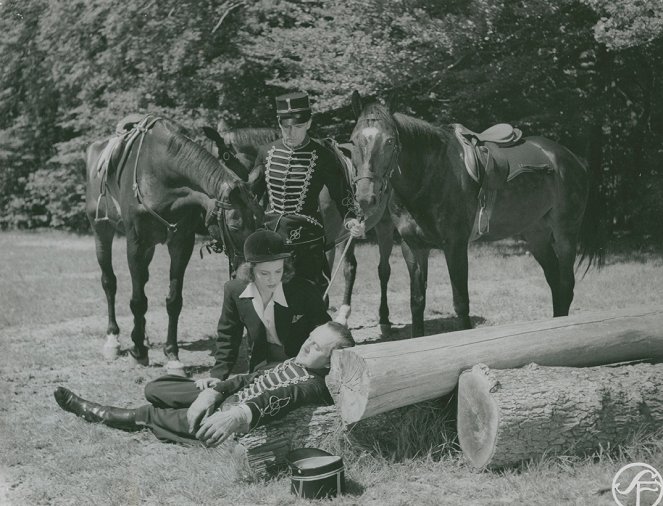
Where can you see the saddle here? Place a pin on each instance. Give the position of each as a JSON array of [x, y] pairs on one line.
[[114, 155], [494, 158]]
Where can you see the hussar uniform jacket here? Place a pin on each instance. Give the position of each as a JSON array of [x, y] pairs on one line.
[[292, 180], [272, 393]]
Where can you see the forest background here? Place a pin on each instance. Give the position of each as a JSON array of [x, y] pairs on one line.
[[588, 73]]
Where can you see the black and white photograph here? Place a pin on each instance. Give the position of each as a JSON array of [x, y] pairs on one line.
[[289, 252]]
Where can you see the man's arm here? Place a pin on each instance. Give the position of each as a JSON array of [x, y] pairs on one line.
[[236, 383], [274, 404], [228, 336]]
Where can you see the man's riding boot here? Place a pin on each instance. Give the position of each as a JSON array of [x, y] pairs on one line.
[[118, 418]]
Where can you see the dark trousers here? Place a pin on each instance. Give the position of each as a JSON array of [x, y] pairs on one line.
[[310, 263], [169, 398]]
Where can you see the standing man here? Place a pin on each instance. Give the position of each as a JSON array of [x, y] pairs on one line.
[[292, 172]]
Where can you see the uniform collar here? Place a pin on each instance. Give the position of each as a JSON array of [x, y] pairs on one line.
[[305, 144], [251, 292]]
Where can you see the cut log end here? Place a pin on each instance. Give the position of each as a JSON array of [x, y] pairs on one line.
[[478, 416], [348, 380]]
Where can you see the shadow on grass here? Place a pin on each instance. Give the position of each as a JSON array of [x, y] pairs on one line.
[[204, 344]]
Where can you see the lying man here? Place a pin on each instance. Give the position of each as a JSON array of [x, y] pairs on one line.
[[235, 405]]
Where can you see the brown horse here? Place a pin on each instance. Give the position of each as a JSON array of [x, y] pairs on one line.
[[155, 184], [434, 203], [239, 148]]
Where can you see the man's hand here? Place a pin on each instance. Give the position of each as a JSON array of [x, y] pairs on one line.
[[202, 384], [202, 407], [357, 228], [218, 427]]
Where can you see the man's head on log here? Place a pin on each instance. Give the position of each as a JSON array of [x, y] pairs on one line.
[[316, 351]]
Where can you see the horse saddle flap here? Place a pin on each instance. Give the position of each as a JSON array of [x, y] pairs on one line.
[[504, 188], [505, 163]]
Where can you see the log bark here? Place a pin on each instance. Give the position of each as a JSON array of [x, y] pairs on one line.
[[374, 378], [509, 416], [263, 451]]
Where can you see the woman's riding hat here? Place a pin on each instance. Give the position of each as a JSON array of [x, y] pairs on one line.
[[264, 246], [293, 108]]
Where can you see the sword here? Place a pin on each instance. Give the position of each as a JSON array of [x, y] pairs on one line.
[[338, 267]]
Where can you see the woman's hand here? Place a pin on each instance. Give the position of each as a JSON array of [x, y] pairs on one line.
[[202, 384]]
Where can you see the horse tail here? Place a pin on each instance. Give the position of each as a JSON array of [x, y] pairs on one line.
[[593, 234]]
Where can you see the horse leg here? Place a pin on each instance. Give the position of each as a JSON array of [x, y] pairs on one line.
[[455, 254], [103, 241], [138, 257], [565, 249], [540, 244], [180, 249], [384, 231], [416, 260], [349, 274]]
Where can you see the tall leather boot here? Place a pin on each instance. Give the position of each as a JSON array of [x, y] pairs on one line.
[[118, 418]]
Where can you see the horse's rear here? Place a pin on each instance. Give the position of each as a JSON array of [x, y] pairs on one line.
[[542, 197]]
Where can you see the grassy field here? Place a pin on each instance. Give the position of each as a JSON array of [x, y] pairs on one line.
[[52, 325]]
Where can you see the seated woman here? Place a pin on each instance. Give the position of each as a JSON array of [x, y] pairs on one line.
[[277, 310], [234, 405]]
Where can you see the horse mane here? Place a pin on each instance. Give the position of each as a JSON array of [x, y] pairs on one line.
[[242, 138], [195, 161], [412, 132]]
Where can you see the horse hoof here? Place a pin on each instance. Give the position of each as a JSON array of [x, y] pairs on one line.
[[175, 368], [385, 329], [111, 349], [142, 359]]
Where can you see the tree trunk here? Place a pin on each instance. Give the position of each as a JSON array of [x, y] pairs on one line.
[[508, 416], [263, 450], [374, 378]]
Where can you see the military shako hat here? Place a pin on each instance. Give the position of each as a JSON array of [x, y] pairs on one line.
[[293, 108], [264, 246], [315, 473]]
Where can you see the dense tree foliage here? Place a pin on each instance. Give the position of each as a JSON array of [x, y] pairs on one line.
[[586, 72]]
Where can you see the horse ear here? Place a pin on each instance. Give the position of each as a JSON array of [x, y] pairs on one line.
[[356, 104], [222, 126], [392, 101], [214, 136]]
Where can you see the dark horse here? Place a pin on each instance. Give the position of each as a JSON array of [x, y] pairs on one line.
[[239, 147], [434, 203], [154, 183]]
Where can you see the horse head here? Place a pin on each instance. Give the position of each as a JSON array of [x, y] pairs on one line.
[[375, 151], [235, 216]]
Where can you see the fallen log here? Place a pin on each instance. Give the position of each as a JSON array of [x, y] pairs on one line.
[[374, 378], [513, 415], [263, 450]]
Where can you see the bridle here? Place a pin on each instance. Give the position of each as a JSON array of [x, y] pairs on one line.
[[233, 252], [393, 164], [222, 205]]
